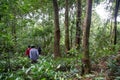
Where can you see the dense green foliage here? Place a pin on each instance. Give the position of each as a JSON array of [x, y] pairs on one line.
[[27, 22], [47, 68]]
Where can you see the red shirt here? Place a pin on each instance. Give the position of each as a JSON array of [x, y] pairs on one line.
[[27, 51]]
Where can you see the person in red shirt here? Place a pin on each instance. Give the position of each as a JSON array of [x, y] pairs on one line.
[[28, 51]]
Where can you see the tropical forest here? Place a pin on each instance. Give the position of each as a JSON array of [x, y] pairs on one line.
[[59, 39]]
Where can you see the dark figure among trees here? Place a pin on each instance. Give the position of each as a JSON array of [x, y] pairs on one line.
[[34, 54], [39, 50]]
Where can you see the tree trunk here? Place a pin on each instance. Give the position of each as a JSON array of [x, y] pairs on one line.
[[86, 31], [78, 23], [56, 30], [67, 47], [71, 35], [115, 21]]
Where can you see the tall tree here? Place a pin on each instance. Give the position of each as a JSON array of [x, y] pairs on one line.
[[66, 27], [115, 21], [86, 31], [78, 23], [56, 30]]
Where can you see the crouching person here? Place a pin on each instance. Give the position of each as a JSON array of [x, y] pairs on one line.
[[34, 54]]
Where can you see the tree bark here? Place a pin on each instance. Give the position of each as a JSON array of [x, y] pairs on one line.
[[78, 23], [86, 31], [67, 47], [115, 21], [56, 30], [71, 35]]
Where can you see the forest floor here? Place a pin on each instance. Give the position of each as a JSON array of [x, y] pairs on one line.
[[107, 68], [68, 68]]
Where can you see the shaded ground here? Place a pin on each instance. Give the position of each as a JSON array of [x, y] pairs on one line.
[[107, 68]]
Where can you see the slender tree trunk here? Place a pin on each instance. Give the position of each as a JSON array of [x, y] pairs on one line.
[[71, 29], [115, 21], [78, 23], [71, 35], [56, 30], [86, 31], [67, 47]]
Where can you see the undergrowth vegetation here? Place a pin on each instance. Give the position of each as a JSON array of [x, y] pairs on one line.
[[48, 68], [31, 22]]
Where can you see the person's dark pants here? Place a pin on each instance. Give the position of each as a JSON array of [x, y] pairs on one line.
[[34, 61]]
